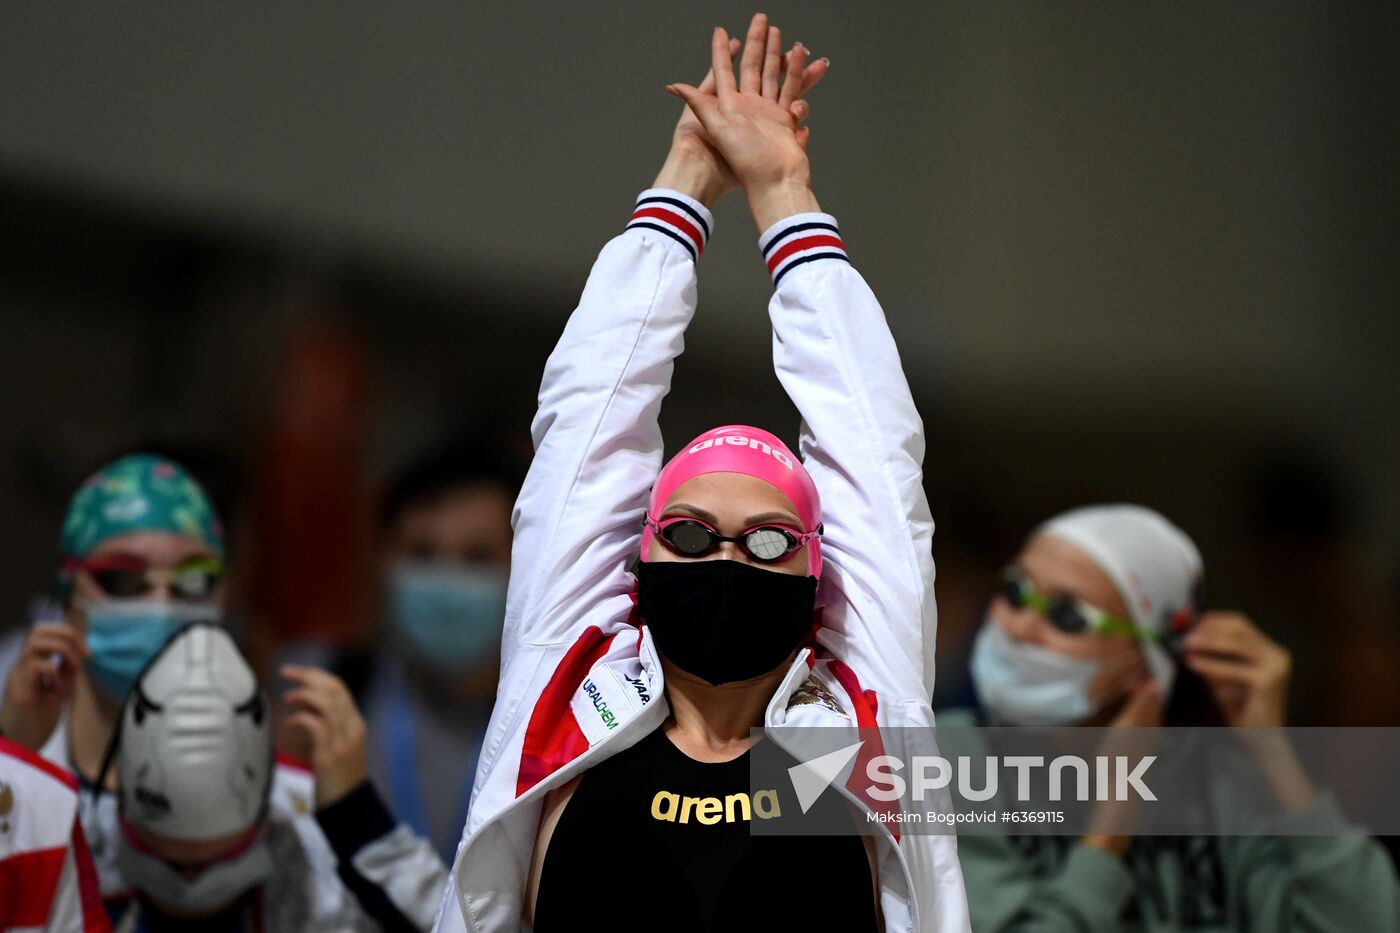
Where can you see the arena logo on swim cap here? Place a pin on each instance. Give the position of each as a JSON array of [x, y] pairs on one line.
[[740, 440]]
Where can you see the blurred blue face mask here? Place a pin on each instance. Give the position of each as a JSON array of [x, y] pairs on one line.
[[124, 634], [1022, 684], [449, 615]]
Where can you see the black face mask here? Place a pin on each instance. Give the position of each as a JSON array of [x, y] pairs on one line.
[[724, 620]]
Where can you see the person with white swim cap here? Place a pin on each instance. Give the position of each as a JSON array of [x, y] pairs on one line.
[[207, 839], [770, 588], [1100, 621]]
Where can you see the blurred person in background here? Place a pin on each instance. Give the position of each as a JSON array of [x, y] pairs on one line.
[[620, 689], [141, 557], [216, 835], [1099, 622], [428, 685], [47, 882]]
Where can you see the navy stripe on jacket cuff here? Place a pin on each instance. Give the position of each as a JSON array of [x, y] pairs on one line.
[[800, 239], [675, 215]]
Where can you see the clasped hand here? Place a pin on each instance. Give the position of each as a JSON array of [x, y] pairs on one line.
[[747, 132]]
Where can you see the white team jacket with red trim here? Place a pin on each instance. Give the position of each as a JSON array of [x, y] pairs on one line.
[[580, 681], [47, 881]]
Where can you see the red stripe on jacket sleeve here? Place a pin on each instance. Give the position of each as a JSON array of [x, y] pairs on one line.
[[675, 220], [798, 245]]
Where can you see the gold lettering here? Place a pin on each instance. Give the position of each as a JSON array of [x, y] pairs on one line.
[[673, 808], [708, 810], [663, 806]]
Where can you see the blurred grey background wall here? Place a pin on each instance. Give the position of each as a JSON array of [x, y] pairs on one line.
[[1138, 251]]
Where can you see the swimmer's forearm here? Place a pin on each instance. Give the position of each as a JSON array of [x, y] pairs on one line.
[[691, 175], [773, 201]]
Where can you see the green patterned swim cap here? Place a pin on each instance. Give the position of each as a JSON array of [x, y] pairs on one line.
[[139, 492]]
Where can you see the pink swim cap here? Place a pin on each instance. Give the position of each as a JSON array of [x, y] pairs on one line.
[[739, 448]]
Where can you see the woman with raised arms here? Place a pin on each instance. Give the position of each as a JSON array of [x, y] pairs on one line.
[[772, 588]]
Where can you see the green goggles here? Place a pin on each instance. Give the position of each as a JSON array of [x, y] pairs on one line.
[[1069, 615]]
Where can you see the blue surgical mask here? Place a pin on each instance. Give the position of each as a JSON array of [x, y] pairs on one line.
[[1022, 684], [448, 615], [124, 634]]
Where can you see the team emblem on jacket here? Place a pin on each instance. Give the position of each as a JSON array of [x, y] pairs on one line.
[[814, 692]]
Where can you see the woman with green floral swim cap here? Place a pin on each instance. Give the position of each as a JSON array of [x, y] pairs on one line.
[[141, 554]]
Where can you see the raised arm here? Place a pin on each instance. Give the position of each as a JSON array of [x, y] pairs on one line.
[[862, 439], [597, 443]]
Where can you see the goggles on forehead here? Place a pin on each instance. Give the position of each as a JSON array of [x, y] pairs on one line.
[[767, 543], [1065, 612], [124, 576]]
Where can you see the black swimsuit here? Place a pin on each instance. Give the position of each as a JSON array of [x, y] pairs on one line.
[[652, 839]]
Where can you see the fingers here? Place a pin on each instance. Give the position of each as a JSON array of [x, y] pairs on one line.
[[322, 688], [308, 676], [705, 106], [310, 700], [1230, 638], [722, 62], [751, 65], [796, 61], [813, 73], [323, 707], [47, 640], [323, 693], [1228, 633], [1224, 671], [772, 63], [707, 85], [803, 134], [800, 110], [1143, 706], [51, 675], [316, 729]]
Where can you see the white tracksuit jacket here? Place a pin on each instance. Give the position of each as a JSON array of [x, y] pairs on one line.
[[47, 882], [580, 679]]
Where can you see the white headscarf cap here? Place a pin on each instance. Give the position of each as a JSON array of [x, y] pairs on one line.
[[1154, 565]]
